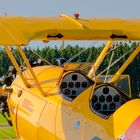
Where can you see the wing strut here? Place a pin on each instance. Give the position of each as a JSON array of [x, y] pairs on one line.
[[100, 59], [16, 66], [30, 69], [125, 65]]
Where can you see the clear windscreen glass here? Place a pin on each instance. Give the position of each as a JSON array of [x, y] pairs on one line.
[[83, 67], [123, 82]]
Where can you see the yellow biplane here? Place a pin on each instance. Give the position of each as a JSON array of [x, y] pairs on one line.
[[64, 102]]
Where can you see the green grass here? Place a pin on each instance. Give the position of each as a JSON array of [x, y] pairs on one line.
[[2, 120], [6, 132]]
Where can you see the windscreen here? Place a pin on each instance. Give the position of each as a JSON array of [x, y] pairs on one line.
[[123, 82]]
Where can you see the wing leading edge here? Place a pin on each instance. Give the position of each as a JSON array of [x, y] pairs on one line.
[[20, 30]]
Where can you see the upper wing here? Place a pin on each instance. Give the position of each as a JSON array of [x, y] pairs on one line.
[[20, 30]]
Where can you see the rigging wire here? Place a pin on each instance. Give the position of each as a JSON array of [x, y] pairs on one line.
[[77, 54], [17, 55], [40, 57], [114, 48], [112, 55], [117, 60]]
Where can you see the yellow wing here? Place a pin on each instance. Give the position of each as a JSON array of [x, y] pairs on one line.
[[20, 30]]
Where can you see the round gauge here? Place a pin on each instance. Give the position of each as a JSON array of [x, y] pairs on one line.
[[70, 84]]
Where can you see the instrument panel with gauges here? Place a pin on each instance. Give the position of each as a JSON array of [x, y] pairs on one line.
[[73, 84], [107, 99]]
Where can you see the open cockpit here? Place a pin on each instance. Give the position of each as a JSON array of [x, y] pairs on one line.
[[106, 97]]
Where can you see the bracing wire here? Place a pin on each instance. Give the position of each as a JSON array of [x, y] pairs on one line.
[[112, 55], [40, 57], [112, 50], [77, 54], [117, 60], [17, 56]]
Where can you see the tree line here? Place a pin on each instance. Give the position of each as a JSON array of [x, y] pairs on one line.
[[89, 54]]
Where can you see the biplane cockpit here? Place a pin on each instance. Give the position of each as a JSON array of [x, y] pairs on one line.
[[106, 98]]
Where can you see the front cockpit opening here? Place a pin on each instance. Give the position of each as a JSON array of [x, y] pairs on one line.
[[73, 84]]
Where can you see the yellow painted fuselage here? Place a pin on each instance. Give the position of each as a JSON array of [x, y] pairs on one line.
[[52, 117]]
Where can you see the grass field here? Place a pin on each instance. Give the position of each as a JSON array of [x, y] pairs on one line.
[[6, 132]]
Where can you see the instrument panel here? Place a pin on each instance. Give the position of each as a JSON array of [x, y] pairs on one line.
[[106, 99], [73, 84]]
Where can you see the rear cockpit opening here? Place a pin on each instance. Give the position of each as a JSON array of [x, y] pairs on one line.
[[107, 98]]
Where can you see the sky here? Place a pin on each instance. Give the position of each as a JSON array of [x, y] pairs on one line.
[[86, 8]]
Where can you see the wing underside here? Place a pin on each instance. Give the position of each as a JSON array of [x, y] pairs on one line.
[[20, 30]]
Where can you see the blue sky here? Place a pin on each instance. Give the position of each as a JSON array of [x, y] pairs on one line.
[[86, 8]]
